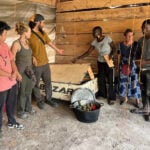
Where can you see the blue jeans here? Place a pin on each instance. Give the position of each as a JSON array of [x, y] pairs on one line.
[[9, 97]]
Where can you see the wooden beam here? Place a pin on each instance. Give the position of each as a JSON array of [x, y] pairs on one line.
[[89, 4], [109, 26], [86, 39], [48, 2], [119, 13]]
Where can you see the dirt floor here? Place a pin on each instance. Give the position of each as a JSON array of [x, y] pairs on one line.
[[58, 129]]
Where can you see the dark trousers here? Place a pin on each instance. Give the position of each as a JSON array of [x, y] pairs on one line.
[[44, 73], [9, 97], [24, 102], [105, 75], [145, 78]]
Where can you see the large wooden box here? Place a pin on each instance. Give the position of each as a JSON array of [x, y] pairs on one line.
[[68, 77]]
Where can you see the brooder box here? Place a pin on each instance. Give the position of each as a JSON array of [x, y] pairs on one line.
[[66, 78]]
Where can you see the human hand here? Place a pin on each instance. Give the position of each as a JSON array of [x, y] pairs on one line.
[[110, 56], [19, 77], [13, 76], [61, 51], [34, 61]]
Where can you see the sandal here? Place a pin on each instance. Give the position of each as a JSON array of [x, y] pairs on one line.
[[139, 105], [140, 111], [123, 101]]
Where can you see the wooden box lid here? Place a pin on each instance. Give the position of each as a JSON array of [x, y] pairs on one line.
[[71, 73]]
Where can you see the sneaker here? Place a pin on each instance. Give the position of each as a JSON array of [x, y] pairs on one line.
[[23, 116], [51, 103], [32, 112], [110, 102], [16, 125], [140, 111], [40, 104]]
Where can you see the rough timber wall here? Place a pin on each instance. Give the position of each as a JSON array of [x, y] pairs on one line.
[[12, 11], [76, 18], [49, 2]]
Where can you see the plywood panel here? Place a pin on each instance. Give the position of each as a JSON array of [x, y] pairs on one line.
[[88, 4], [70, 73], [66, 60], [131, 12], [107, 25]]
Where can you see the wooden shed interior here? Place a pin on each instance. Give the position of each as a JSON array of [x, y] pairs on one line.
[[70, 22], [75, 20]]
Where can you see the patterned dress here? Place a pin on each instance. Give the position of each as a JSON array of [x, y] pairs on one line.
[[128, 85]]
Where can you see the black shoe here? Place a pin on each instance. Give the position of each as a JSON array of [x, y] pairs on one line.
[[51, 103], [110, 102], [22, 115], [15, 125], [31, 112], [40, 104], [140, 111], [97, 95]]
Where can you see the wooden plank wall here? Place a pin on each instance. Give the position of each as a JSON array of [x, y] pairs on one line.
[[52, 3], [75, 20]]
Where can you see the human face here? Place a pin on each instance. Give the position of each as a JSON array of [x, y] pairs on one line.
[[97, 35], [129, 37], [146, 30], [3, 36], [28, 33], [41, 24]]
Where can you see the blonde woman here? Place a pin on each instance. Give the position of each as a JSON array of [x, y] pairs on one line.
[[23, 59]]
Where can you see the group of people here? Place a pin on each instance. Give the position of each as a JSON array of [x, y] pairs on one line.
[[128, 73], [26, 62], [21, 68]]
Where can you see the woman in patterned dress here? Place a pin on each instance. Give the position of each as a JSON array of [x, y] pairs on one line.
[[128, 83]]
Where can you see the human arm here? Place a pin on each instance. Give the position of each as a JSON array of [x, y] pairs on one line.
[[113, 48], [145, 62], [15, 73], [34, 61], [5, 74], [118, 57], [86, 53], [51, 44]]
